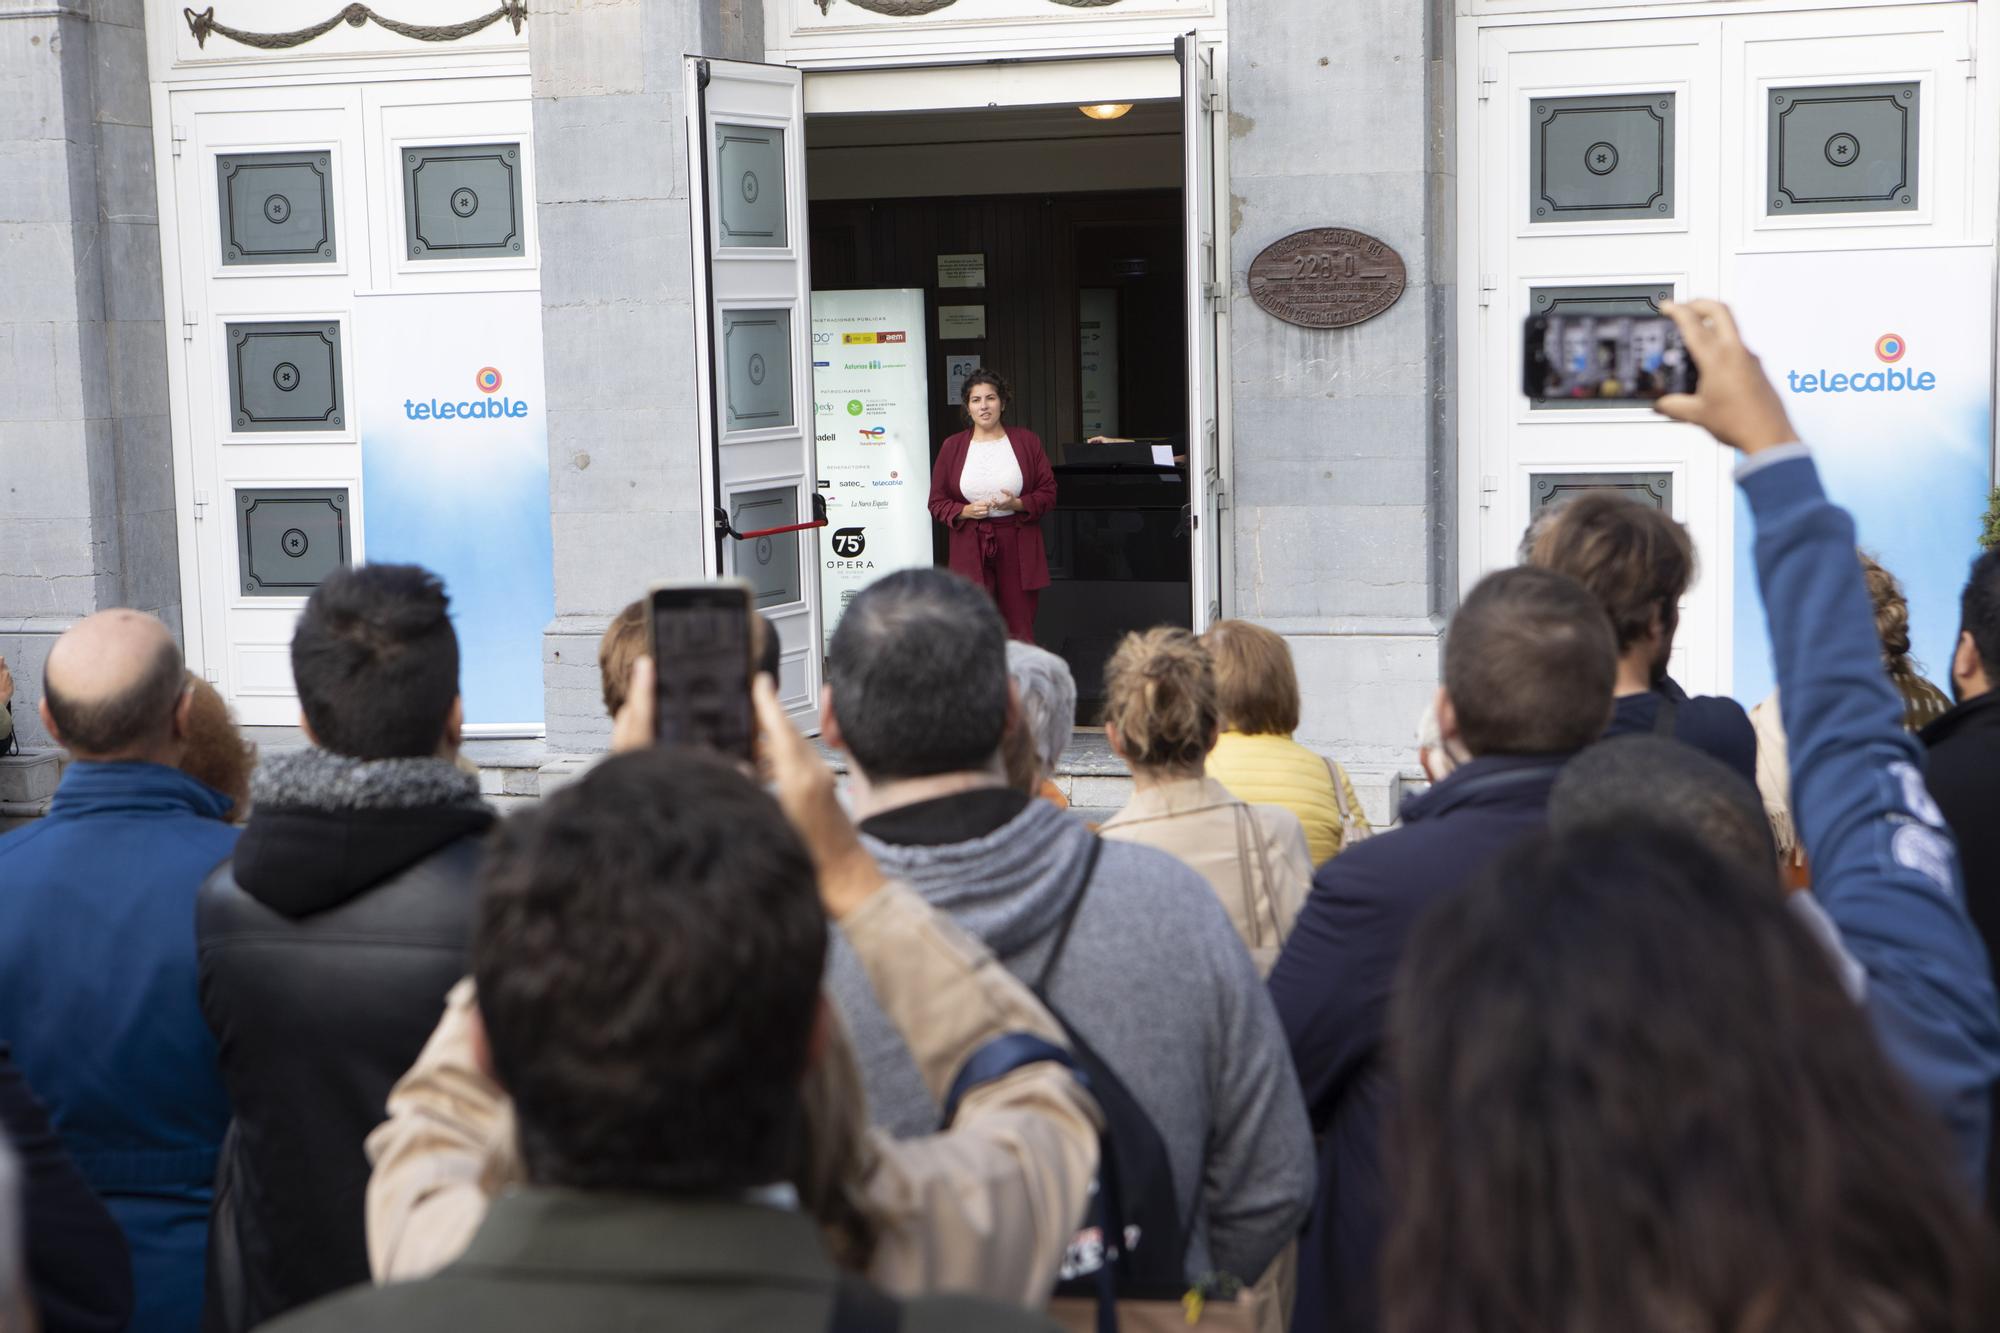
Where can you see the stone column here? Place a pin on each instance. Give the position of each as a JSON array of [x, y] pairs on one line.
[[617, 322], [86, 455], [1341, 115]]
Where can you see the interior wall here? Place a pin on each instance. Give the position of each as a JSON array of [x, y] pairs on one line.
[[1039, 250]]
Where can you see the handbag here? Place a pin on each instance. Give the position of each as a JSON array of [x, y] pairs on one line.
[[1353, 828]]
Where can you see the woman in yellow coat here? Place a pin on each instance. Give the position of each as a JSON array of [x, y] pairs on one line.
[[1257, 691]]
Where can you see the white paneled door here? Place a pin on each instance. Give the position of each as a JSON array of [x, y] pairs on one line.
[[753, 285]]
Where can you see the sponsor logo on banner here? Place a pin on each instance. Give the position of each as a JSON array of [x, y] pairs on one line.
[[849, 542], [874, 434], [487, 380], [854, 408], [1889, 349], [862, 339]]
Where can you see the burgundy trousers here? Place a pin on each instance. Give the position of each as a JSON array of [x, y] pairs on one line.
[[1000, 575]]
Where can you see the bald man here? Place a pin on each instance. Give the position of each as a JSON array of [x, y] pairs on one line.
[[97, 952]]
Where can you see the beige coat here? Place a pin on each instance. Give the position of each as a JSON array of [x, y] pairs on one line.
[[1254, 856], [986, 1208]]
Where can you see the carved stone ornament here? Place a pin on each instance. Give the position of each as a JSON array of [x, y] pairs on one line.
[[202, 23], [910, 9], [1326, 278]]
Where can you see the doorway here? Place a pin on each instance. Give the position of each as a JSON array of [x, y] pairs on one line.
[[1078, 211]]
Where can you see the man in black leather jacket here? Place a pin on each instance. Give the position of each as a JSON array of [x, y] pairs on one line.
[[329, 941]]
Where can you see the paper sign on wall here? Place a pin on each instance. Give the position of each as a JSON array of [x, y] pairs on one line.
[[871, 412], [959, 322], [957, 370], [961, 270], [1888, 374]]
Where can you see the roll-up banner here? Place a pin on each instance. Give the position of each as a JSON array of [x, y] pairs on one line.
[[455, 477], [1885, 361], [871, 412]]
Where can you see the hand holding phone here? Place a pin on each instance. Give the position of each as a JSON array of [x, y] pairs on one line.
[[1736, 401], [702, 663]]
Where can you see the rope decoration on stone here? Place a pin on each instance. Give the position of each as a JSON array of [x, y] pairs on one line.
[[908, 9], [355, 15]]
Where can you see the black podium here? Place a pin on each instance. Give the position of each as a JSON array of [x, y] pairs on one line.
[[1119, 556]]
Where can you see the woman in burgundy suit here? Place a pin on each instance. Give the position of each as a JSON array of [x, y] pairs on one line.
[[990, 487]]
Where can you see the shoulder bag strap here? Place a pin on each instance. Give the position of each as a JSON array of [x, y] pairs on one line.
[[1068, 917], [1339, 796], [1243, 877]]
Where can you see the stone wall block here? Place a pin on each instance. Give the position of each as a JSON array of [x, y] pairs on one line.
[[590, 48], [138, 350], [34, 181], [124, 95], [43, 474], [624, 355], [621, 147], [624, 461], [615, 251], [132, 288], [125, 187], [605, 559]]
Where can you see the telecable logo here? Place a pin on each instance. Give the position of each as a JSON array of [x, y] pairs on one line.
[[1889, 349], [488, 381]]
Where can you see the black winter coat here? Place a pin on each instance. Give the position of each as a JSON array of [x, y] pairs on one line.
[[1332, 985], [327, 946], [1962, 769]]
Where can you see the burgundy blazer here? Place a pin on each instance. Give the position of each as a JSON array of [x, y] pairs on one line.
[[1038, 494]]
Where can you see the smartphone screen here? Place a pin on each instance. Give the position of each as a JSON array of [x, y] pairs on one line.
[[1604, 359], [700, 634]]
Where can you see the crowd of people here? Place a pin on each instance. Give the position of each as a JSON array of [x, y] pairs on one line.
[[1649, 1014]]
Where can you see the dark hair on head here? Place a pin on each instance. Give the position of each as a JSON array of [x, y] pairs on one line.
[[375, 660], [1632, 557], [1633, 1096], [648, 959], [918, 666], [1529, 665], [140, 713], [1159, 692], [1632, 778], [1256, 685], [1979, 611], [984, 376]]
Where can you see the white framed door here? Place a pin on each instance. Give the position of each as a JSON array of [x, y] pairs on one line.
[[274, 240], [1208, 493], [1586, 201], [1701, 107], [753, 339], [300, 212]]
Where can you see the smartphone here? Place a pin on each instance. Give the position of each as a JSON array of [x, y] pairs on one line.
[[700, 634], [1607, 359]]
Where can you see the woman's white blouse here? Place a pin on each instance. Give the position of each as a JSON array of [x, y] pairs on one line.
[[991, 470]]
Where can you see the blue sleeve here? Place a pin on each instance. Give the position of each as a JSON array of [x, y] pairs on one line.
[[1884, 867]]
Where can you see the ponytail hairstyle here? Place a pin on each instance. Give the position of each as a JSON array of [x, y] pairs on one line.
[[1159, 692], [977, 378], [1892, 616]]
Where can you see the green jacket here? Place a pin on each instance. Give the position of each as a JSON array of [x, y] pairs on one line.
[[562, 1259]]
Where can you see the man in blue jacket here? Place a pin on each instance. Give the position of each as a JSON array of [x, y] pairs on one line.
[[1529, 664], [97, 955], [1885, 868]]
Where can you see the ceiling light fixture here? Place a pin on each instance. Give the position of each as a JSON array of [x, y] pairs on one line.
[[1105, 110]]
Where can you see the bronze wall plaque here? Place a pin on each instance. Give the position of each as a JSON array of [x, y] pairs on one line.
[[1326, 278]]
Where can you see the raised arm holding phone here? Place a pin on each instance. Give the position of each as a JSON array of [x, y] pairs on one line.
[[1885, 869], [984, 1208]]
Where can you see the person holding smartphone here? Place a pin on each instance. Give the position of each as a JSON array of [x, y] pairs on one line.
[[990, 486]]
